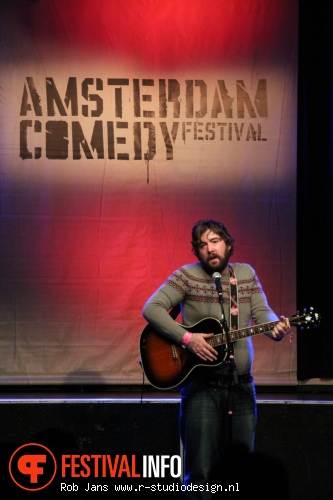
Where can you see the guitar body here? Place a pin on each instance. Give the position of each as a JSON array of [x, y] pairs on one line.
[[166, 364]]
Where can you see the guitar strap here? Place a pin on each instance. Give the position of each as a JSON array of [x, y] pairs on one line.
[[234, 310]]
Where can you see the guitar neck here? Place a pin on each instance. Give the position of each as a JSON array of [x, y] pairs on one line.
[[242, 333]]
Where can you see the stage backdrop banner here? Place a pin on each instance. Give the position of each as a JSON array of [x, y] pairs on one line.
[[122, 124]]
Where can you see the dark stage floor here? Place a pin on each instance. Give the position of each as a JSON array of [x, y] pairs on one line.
[[119, 394], [294, 429]]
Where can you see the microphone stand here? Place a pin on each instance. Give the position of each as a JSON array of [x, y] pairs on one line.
[[233, 378], [232, 372]]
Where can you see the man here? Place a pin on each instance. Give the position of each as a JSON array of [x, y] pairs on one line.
[[218, 402]]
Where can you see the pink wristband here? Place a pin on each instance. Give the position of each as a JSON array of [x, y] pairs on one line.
[[186, 339]]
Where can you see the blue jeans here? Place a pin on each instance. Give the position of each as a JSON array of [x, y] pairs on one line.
[[214, 419]]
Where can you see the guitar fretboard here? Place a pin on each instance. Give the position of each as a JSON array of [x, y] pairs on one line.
[[242, 333]]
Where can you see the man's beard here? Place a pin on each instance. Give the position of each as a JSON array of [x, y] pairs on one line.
[[220, 267]]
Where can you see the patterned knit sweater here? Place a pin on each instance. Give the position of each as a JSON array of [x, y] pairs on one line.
[[195, 291]]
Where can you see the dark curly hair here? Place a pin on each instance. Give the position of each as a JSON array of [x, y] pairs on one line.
[[217, 227]]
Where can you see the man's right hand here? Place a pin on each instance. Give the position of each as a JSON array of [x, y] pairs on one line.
[[199, 346]]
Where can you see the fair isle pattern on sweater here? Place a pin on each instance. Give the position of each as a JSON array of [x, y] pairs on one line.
[[197, 289]]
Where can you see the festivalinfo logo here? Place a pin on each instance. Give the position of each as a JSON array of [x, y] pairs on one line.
[[33, 467]]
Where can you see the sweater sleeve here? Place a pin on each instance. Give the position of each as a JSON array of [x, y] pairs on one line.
[[261, 311], [156, 309]]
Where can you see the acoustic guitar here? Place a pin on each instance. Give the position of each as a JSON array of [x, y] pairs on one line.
[[167, 365]]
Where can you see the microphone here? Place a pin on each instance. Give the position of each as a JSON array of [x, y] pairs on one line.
[[217, 278]]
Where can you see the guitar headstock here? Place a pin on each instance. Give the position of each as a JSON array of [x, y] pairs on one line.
[[306, 318]]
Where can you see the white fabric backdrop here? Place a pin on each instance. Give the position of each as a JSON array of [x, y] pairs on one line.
[[122, 124]]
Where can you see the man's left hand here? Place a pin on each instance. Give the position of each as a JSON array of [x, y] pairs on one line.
[[281, 329]]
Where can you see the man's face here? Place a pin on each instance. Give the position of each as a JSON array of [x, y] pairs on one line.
[[213, 252]]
